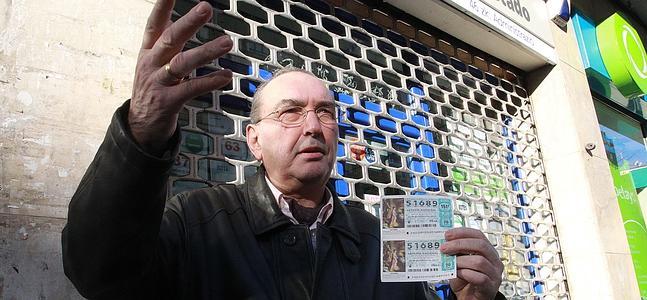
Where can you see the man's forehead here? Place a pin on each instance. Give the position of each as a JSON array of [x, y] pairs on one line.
[[298, 86], [326, 102]]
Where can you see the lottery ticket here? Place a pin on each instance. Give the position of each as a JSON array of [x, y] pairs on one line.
[[413, 228]]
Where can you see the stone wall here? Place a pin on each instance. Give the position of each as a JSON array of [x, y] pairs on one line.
[[64, 68]]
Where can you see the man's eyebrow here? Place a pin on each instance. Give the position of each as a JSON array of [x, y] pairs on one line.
[[289, 102], [301, 103], [327, 104]]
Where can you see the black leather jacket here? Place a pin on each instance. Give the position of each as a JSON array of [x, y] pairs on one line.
[[123, 240]]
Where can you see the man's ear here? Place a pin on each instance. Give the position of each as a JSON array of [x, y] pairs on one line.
[[253, 141]]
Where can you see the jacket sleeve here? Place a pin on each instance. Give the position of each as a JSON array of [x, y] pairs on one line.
[[498, 296], [424, 291], [111, 245]]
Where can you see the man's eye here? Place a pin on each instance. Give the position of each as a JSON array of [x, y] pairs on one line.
[[326, 112], [290, 110], [291, 113]]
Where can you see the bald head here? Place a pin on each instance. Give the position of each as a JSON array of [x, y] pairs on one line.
[[255, 113]]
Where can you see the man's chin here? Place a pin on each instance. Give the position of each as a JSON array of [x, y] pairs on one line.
[[310, 173]]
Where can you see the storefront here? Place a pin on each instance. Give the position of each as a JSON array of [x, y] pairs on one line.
[[616, 66], [438, 97], [425, 112]]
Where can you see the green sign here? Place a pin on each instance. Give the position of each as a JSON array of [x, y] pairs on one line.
[[634, 224], [623, 55]]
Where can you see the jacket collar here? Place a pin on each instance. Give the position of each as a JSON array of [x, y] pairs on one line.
[[265, 214], [261, 207]]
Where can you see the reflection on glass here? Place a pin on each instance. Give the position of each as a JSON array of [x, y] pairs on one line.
[[214, 123], [236, 150], [216, 170], [196, 143], [180, 186], [181, 166], [249, 171], [183, 118]]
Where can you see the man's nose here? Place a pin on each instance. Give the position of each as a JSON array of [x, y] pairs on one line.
[[311, 125]]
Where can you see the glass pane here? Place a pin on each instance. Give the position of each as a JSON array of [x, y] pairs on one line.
[[623, 138], [254, 49], [303, 14], [288, 25], [333, 26], [196, 143], [252, 12], [216, 170], [272, 37], [307, 49], [233, 24], [320, 37], [214, 123], [287, 59]]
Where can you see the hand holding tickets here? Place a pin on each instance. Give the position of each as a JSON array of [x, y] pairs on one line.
[[479, 267], [419, 244]]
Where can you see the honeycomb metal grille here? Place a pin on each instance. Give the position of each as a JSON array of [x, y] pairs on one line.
[[414, 121]]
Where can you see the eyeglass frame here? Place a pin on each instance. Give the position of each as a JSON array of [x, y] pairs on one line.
[[304, 115]]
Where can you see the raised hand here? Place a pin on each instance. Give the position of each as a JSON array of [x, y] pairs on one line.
[[159, 88], [478, 265]]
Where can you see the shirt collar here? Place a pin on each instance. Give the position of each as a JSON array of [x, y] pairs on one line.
[[284, 205]]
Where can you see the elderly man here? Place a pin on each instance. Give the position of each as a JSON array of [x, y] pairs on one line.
[[281, 235]]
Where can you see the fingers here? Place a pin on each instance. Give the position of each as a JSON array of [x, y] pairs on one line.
[[481, 269], [166, 76], [185, 62], [471, 284], [469, 241], [478, 246], [199, 85], [173, 38], [474, 277], [479, 264], [158, 20], [464, 232], [189, 60], [457, 284]]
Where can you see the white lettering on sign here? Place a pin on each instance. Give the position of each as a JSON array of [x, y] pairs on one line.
[[505, 26], [516, 7], [503, 22], [642, 72], [625, 195]]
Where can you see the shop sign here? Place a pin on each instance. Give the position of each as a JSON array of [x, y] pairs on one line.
[[614, 50], [527, 13], [624, 55], [523, 21]]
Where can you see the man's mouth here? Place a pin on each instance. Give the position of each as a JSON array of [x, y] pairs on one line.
[[312, 149]]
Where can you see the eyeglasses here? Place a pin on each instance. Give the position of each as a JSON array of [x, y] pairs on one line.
[[296, 115]]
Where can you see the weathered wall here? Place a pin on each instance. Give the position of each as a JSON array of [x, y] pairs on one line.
[[64, 67]]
